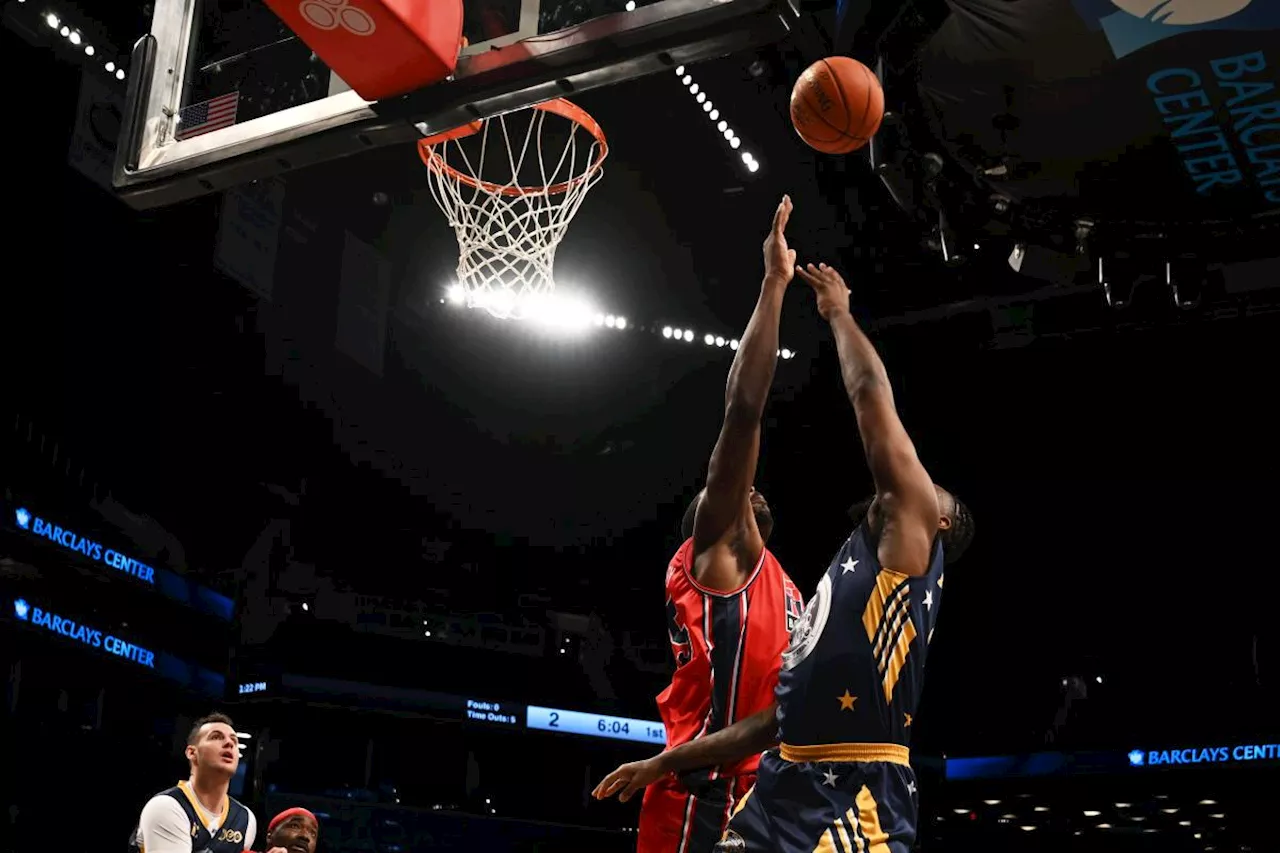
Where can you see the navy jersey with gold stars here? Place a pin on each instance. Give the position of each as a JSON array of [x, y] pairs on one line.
[[854, 669], [229, 836], [841, 779]]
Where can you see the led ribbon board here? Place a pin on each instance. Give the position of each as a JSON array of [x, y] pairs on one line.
[[515, 716], [85, 634], [1197, 755], [1109, 762], [69, 540], [166, 582]]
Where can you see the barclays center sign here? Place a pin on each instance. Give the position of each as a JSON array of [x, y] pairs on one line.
[[1211, 78], [77, 543]]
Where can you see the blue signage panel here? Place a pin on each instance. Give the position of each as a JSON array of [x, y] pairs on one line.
[[198, 678], [72, 541], [1075, 763], [1239, 754], [166, 582]]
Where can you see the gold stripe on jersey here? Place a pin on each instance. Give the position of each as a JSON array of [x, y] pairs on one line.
[[890, 630], [826, 844], [848, 835], [868, 822]]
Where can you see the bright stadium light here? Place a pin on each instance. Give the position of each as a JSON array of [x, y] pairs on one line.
[[700, 95], [566, 312]]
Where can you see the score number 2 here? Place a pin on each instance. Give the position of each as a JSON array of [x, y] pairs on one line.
[[595, 725]]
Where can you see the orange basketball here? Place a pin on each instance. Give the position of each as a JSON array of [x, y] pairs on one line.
[[837, 105]]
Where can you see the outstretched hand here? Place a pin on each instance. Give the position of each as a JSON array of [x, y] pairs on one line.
[[829, 287], [628, 779], [779, 261]]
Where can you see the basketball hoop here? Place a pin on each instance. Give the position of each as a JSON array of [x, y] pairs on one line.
[[509, 215]]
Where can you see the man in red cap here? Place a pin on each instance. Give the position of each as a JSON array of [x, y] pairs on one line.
[[293, 831]]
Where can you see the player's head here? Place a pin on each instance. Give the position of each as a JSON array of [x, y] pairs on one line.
[[296, 830], [759, 506], [212, 746], [955, 522]]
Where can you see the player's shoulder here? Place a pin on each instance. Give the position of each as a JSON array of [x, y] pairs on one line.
[[771, 565], [164, 808], [679, 566]]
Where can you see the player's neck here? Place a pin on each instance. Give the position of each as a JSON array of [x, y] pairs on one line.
[[210, 790]]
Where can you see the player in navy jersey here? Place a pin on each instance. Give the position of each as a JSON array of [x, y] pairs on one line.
[[197, 815], [840, 779]]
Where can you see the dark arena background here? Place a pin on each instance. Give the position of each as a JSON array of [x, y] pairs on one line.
[[254, 459]]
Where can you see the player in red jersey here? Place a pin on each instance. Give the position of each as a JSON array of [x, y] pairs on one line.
[[730, 606]]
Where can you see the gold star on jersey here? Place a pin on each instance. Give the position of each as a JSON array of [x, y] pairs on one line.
[[846, 701]]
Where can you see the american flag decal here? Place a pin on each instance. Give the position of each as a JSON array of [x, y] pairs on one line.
[[207, 116]]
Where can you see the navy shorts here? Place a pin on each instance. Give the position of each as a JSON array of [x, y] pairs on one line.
[[825, 807]]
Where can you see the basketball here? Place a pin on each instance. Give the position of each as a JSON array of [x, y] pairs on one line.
[[837, 105]]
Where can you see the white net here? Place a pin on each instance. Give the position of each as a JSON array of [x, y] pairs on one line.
[[510, 198]]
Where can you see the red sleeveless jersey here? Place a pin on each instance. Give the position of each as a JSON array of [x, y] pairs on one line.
[[728, 648]]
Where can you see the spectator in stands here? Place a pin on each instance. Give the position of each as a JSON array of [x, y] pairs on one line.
[[198, 814], [293, 831]]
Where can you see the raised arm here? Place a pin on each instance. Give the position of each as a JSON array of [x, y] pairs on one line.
[[726, 540], [905, 494], [750, 736]]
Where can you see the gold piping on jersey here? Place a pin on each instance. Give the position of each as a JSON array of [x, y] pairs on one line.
[[742, 803], [845, 752], [199, 809], [890, 630]]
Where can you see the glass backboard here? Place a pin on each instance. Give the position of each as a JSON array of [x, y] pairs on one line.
[[222, 91]]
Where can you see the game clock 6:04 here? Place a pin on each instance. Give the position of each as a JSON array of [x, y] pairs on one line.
[[595, 725]]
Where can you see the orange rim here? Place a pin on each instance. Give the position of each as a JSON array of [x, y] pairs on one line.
[[565, 109]]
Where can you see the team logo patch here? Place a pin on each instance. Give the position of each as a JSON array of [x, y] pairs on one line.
[[807, 632], [794, 604]]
